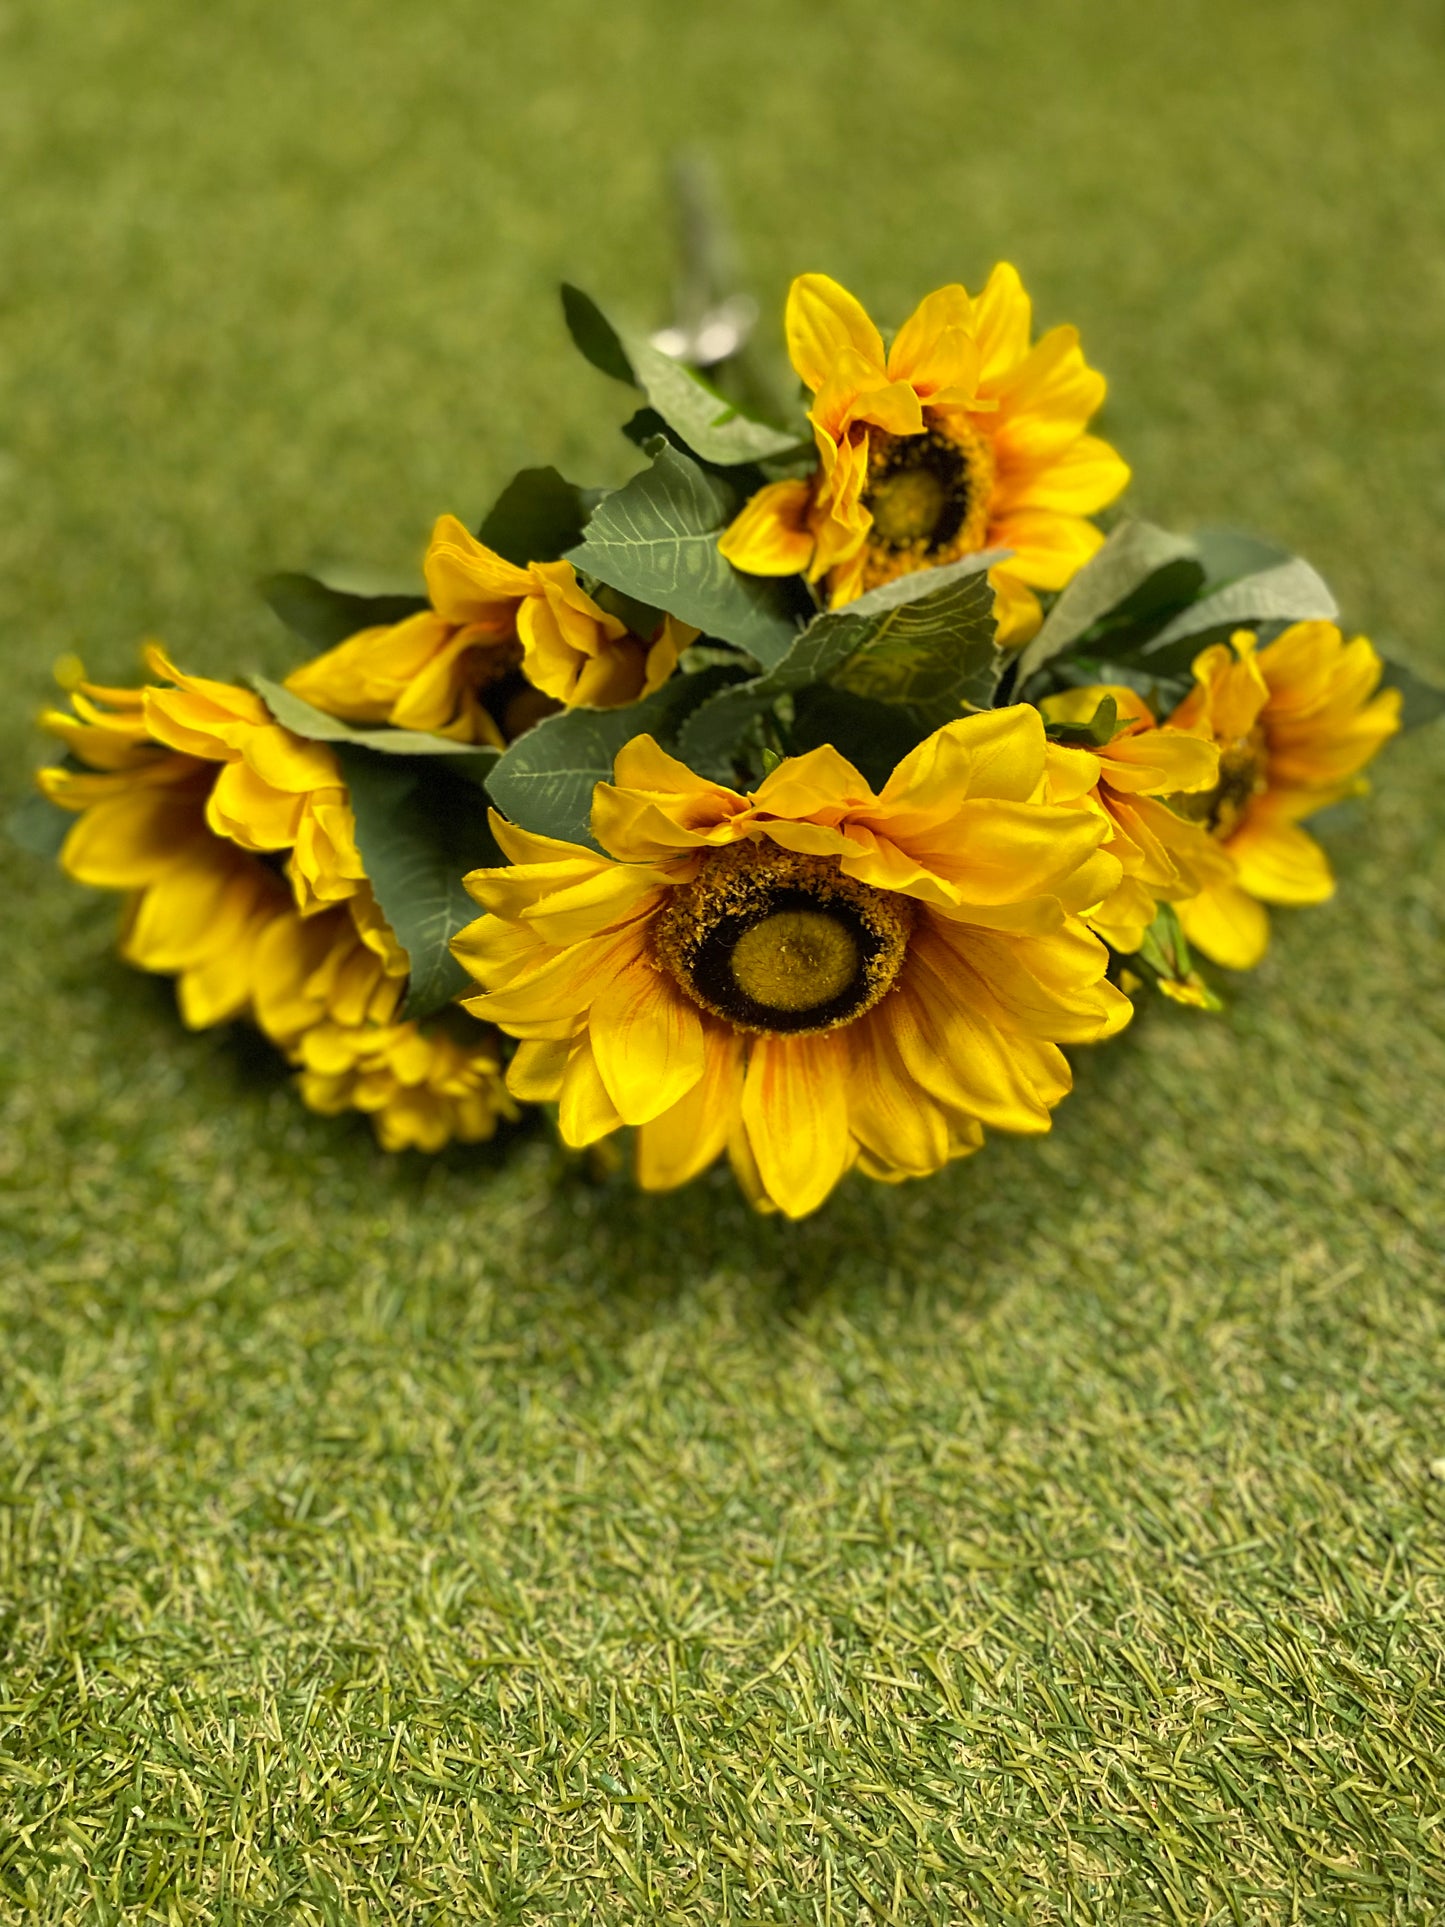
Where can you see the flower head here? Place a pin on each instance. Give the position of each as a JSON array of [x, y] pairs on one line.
[[1164, 857], [1295, 722], [810, 976], [959, 437], [421, 1086], [495, 640]]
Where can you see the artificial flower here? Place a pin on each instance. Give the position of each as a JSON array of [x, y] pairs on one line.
[[495, 639], [422, 1086], [810, 976], [1164, 857], [1295, 721], [959, 437]]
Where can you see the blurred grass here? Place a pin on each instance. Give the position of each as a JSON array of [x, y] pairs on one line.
[[1057, 1541]]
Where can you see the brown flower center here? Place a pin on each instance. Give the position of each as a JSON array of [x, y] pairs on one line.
[[770, 941], [1243, 775], [928, 495]]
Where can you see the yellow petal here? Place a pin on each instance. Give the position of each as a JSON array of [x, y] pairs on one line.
[[647, 1040], [585, 1112], [795, 1111], [1227, 925], [1279, 862], [772, 532], [936, 352], [468, 582], [823, 322], [686, 1139], [1081, 479], [1003, 321]]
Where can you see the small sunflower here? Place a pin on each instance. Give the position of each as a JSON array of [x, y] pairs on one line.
[[811, 976], [190, 799], [499, 646], [1165, 858], [1295, 722], [961, 436], [422, 1087]]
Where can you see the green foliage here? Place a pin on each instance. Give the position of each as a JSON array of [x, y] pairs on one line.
[[1101, 728], [420, 829], [323, 616], [545, 779], [713, 427], [923, 645], [537, 517], [655, 539], [1150, 600]]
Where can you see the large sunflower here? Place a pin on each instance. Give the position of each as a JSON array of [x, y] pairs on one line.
[[1295, 723], [809, 976], [499, 646], [959, 437], [1165, 857]]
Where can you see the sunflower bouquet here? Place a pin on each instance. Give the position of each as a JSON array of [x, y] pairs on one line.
[[798, 800]]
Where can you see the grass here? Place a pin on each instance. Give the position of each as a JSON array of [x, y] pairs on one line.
[[428, 1542]]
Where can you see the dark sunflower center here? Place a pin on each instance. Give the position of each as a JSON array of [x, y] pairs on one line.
[[928, 495], [1242, 775], [775, 942]]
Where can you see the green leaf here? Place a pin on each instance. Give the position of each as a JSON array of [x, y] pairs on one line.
[[923, 643], [545, 780], [595, 335], [875, 737], [537, 517], [420, 830], [655, 539], [711, 425], [1287, 592], [1140, 570], [302, 719], [324, 616], [1423, 701], [1102, 727], [38, 826]]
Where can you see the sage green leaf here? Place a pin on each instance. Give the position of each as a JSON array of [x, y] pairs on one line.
[[420, 830], [38, 826], [655, 539], [537, 517], [324, 616], [1287, 592], [1140, 570], [303, 719], [545, 780], [924, 643], [1423, 700], [712, 426]]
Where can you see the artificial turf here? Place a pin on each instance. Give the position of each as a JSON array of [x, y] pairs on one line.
[[407, 1541]]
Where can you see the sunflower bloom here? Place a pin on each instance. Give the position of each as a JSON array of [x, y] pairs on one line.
[[961, 436], [808, 977], [1295, 722], [422, 1088], [1165, 858], [495, 640]]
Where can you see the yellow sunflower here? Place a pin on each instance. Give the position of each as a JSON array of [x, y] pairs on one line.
[[1165, 858], [489, 620], [1295, 723], [190, 799], [961, 436], [422, 1087], [811, 976]]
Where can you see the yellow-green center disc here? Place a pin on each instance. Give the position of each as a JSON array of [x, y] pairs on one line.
[[795, 960]]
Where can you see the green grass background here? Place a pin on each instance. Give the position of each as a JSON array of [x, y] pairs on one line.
[[393, 1541]]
